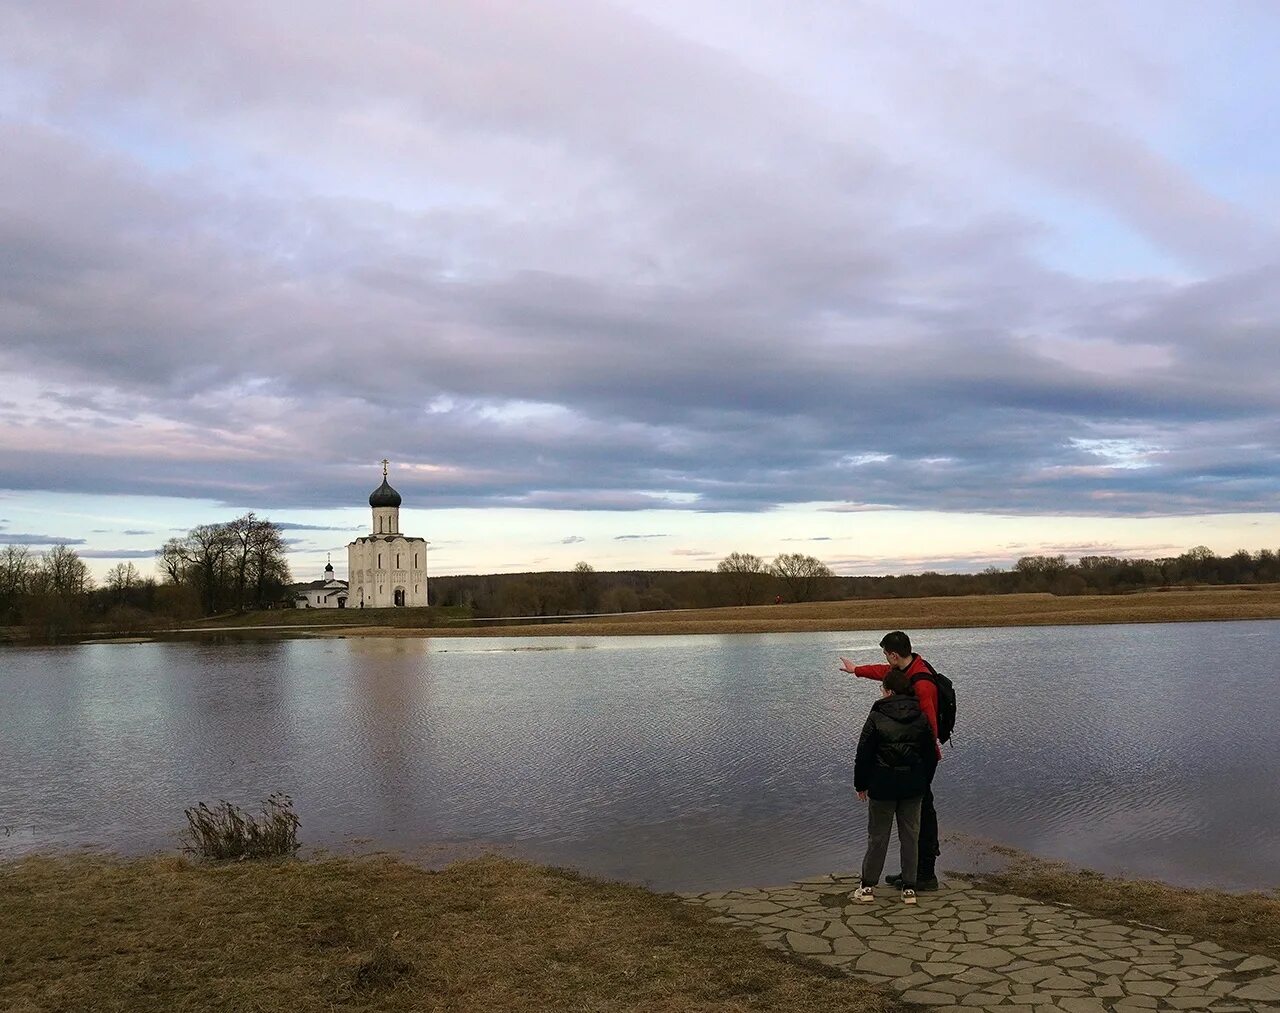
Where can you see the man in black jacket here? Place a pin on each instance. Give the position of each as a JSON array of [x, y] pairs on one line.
[[892, 767]]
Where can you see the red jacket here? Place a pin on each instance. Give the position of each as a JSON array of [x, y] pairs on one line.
[[926, 690]]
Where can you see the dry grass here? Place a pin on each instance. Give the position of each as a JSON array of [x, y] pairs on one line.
[[1249, 922], [1262, 602], [380, 935]]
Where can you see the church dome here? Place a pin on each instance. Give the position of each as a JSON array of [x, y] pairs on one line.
[[384, 496]]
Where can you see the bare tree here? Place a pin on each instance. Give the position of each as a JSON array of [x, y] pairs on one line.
[[171, 559], [123, 578], [241, 534], [803, 575], [57, 589], [268, 568], [586, 587], [16, 569], [205, 551], [745, 574], [239, 563], [65, 573]]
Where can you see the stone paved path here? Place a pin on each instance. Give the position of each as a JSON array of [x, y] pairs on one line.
[[970, 951]]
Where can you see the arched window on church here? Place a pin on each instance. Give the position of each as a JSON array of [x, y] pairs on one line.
[[397, 560], [415, 560], [379, 560]]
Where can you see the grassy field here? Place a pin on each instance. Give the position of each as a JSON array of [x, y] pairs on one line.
[[1239, 921], [379, 934], [1254, 602]]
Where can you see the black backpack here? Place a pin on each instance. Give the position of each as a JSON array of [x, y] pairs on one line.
[[946, 700]]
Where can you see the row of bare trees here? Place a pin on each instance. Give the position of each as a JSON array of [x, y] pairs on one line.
[[740, 579], [238, 564], [804, 577], [45, 591]]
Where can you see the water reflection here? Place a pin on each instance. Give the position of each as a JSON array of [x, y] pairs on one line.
[[675, 761]]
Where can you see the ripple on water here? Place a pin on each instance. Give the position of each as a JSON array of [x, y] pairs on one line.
[[677, 761]]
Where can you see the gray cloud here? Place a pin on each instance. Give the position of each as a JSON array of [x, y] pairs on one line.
[[572, 540], [635, 538], [291, 526], [20, 538], [116, 553], [608, 267]]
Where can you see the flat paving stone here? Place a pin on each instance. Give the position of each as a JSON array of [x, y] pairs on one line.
[[927, 998], [969, 951], [803, 943]]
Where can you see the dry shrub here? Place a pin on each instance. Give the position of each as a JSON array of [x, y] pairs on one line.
[[226, 832]]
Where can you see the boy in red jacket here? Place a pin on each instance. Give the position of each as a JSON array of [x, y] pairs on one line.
[[898, 655]]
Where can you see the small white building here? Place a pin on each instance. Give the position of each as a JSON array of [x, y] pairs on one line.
[[333, 595], [385, 568]]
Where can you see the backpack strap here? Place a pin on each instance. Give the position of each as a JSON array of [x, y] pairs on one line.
[[932, 675]]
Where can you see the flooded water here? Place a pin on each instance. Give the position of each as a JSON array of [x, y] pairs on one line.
[[679, 762]]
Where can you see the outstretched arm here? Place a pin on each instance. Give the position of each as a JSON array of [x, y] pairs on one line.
[[877, 672]]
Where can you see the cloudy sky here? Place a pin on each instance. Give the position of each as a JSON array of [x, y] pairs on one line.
[[905, 286]]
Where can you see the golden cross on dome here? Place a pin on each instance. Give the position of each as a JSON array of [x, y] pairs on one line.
[[385, 462]]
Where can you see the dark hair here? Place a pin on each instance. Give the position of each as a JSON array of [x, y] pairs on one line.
[[897, 642], [897, 681]]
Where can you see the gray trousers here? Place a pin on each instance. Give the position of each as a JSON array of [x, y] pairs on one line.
[[880, 816]]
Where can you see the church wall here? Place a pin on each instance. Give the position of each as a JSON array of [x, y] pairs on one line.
[[377, 566]]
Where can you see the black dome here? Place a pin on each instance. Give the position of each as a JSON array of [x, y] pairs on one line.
[[384, 496]]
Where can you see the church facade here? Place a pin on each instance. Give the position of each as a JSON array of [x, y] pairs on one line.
[[386, 568]]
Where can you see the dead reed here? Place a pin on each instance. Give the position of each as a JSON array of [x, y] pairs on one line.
[[228, 833]]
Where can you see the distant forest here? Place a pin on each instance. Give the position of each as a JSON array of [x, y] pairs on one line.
[[240, 566], [742, 579]]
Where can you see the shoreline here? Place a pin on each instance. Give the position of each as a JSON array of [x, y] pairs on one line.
[[1220, 604], [1227, 603], [489, 932]]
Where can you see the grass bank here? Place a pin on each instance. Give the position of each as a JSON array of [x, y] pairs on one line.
[[1249, 922], [1261, 602], [164, 934]]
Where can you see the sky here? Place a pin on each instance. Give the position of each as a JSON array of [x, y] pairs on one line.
[[901, 286]]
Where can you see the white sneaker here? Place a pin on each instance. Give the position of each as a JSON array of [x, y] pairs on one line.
[[864, 895], [908, 896]]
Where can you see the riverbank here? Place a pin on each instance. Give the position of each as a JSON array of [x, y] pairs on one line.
[[1199, 605], [492, 933], [1205, 604], [380, 934]]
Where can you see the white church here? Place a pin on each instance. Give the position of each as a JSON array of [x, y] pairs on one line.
[[333, 595], [385, 568]]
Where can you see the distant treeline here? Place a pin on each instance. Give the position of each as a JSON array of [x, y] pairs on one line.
[[236, 565], [240, 565], [743, 579]]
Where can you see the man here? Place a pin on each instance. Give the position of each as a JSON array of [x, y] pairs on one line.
[[891, 771], [899, 657]]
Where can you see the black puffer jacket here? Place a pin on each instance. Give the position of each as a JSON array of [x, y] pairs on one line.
[[895, 750]]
